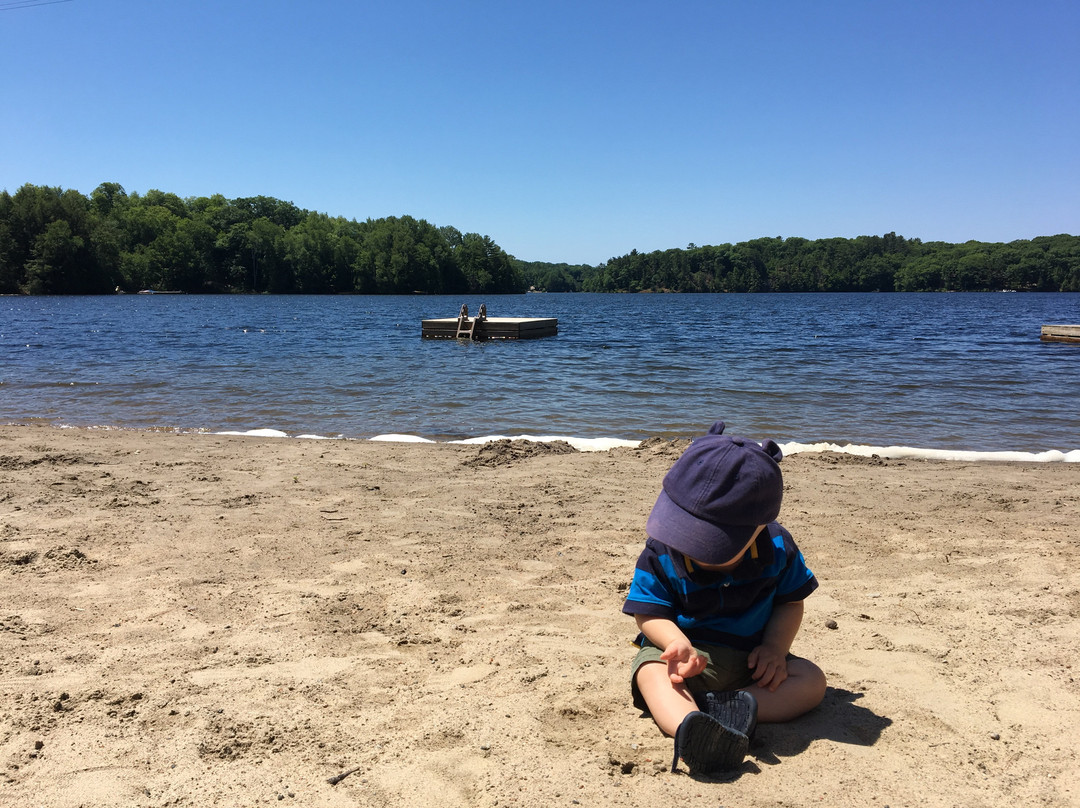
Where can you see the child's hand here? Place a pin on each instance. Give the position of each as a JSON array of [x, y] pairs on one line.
[[682, 660], [769, 665]]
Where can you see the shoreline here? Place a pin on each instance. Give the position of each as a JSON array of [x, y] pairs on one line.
[[603, 444], [208, 619]]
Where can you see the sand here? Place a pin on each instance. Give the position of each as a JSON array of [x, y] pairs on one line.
[[211, 620]]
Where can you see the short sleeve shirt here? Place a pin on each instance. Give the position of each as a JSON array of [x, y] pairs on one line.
[[715, 607]]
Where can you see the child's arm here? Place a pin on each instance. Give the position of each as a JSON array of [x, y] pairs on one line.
[[679, 654], [769, 660]]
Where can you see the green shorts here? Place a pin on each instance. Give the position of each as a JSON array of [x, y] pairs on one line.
[[726, 669]]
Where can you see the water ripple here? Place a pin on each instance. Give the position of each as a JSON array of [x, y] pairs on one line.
[[947, 371]]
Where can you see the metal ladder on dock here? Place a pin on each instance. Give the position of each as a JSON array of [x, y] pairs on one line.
[[466, 328]]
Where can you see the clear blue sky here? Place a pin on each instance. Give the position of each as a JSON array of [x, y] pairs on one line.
[[567, 131]]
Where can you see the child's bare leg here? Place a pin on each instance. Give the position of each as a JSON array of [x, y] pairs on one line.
[[668, 702], [801, 692]]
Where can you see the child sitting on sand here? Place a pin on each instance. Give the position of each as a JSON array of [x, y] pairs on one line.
[[717, 594]]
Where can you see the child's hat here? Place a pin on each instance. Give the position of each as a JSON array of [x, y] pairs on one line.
[[716, 495]]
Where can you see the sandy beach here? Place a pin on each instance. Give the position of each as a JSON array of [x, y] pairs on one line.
[[210, 620]]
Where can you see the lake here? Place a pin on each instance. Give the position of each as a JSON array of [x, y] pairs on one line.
[[948, 371]]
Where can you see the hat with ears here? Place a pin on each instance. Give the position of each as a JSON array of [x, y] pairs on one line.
[[716, 495]]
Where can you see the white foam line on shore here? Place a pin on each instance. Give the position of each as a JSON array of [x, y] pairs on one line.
[[276, 433], [258, 433], [900, 452], [394, 438], [793, 448]]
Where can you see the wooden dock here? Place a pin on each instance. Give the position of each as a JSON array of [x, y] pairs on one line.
[[483, 327], [493, 328], [1060, 333]]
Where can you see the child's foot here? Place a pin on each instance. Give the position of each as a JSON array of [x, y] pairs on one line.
[[735, 709], [708, 746]]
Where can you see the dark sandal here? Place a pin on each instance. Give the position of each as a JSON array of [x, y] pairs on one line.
[[735, 709], [707, 746]]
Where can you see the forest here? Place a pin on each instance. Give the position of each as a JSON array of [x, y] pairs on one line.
[[888, 263], [56, 241]]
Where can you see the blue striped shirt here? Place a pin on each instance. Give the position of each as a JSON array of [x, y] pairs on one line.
[[715, 607]]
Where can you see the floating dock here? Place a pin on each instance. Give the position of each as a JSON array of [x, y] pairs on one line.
[[1060, 333], [482, 327]]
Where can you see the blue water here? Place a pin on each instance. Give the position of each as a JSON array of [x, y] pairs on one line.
[[950, 371]]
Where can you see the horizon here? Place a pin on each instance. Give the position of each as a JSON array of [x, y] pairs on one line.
[[569, 133]]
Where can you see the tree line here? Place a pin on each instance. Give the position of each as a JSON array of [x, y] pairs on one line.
[[865, 264], [55, 241]]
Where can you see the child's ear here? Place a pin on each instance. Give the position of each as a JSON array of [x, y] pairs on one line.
[[772, 450]]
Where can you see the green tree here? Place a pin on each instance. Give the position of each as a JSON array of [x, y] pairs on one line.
[[487, 269], [107, 198], [265, 241], [54, 266]]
